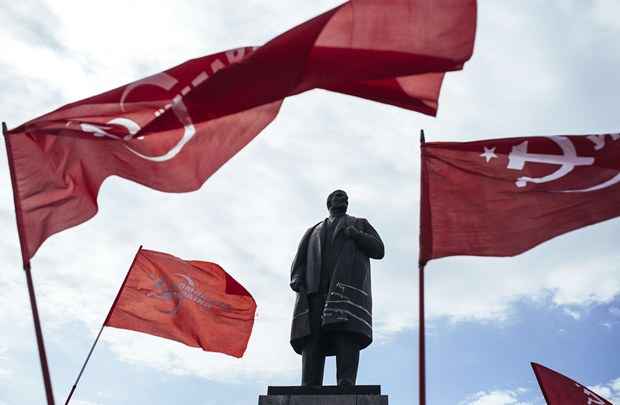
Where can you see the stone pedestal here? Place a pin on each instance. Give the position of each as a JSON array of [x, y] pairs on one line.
[[325, 395]]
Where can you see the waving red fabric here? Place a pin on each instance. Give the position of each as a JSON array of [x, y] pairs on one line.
[[173, 130], [561, 390], [501, 197], [192, 302]]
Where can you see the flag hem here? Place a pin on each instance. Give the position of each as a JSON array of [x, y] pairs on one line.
[[540, 384], [426, 237], [16, 200], [118, 294]]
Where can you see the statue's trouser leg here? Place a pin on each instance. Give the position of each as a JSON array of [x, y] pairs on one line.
[[347, 358], [312, 363], [313, 354]]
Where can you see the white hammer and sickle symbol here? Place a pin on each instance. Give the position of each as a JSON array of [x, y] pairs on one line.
[[567, 160], [163, 81]]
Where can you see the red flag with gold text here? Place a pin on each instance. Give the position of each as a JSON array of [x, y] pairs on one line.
[[561, 390], [501, 197], [193, 302], [172, 130]]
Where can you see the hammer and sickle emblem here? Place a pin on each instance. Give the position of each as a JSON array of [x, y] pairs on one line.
[[165, 82], [567, 161], [168, 291]]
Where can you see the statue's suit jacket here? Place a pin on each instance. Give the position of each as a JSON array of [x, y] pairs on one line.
[[348, 305]]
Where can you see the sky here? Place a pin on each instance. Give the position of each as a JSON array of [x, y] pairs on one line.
[[539, 68]]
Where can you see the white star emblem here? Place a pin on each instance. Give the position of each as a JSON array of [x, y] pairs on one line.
[[489, 153]]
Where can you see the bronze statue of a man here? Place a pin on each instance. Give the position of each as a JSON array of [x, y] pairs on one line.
[[331, 275]]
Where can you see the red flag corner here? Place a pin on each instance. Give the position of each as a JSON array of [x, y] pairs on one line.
[[561, 390]]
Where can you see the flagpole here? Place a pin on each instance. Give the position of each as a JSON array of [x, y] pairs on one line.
[[421, 321], [118, 294], [422, 338], [47, 381]]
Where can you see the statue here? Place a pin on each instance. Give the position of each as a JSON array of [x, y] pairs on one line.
[[333, 310]]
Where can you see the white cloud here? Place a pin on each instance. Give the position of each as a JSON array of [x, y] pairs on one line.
[[603, 11], [5, 373], [573, 314], [496, 397], [573, 286], [609, 391], [487, 289], [615, 384]]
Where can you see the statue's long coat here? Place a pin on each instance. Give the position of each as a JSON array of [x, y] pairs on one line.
[[348, 306]]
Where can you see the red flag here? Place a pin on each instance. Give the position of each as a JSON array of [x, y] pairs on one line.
[[172, 130], [501, 197], [561, 390], [192, 302]]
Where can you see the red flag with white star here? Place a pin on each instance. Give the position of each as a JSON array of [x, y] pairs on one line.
[[501, 197], [561, 390], [193, 302], [173, 130]]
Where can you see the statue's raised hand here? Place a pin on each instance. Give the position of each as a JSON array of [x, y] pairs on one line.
[[351, 231]]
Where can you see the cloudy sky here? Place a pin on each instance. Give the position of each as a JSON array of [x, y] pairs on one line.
[[539, 68]]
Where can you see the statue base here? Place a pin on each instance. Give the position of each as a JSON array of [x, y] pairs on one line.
[[324, 395]]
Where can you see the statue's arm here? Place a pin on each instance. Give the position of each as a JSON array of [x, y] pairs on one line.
[[369, 241], [298, 268]]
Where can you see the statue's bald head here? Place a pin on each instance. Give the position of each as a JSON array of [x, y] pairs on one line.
[[337, 201]]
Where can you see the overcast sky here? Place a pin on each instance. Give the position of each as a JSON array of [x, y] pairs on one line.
[[539, 68]]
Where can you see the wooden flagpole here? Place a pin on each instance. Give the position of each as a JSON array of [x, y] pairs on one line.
[[118, 294], [421, 321], [26, 265]]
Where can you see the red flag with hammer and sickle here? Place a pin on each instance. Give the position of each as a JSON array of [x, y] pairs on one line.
[[561, 390], [501, 197], [173, 130], [193, 302]]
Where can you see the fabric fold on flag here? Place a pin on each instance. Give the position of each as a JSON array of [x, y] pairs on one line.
[[561, 390], [193, 302], [174, 129], [501, 197]]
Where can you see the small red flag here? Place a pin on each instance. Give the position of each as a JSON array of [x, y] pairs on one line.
[[501, 197], [561, 390], [192, 302], [173, 130]]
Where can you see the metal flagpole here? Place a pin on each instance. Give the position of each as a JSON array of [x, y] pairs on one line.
[[422, 340], [421, 320], [118, 294], [26, 265]]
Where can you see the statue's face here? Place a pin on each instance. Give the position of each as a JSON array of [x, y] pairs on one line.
[[338, 200]]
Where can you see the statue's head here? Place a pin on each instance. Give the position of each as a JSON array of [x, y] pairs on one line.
[[337, 201]]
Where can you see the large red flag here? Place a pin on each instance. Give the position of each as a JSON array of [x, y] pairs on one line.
[[192, 302], [501, 197], [172, 130], [561, 390]]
